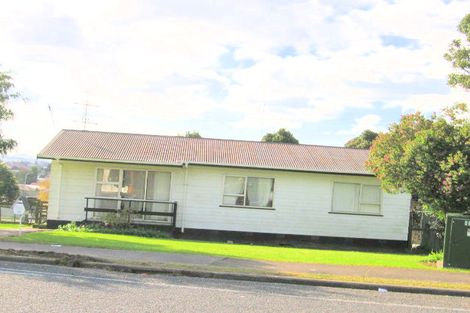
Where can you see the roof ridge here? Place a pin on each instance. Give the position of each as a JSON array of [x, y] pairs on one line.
[[214, 139]]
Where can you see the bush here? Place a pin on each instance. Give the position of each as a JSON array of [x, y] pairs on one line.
[[118, 220], [8, 187], [73, 227], [434, 257], [116, 229]]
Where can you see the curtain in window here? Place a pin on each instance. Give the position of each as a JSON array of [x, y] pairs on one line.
[[260, 192], [370, 199], [234, 185], [107, 175], [234, 190], [345, 197], [370, 194]]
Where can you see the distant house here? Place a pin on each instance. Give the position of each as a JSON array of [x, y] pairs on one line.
[[217, 184]]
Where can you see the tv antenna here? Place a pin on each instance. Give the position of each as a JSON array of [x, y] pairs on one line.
[[85, 120]]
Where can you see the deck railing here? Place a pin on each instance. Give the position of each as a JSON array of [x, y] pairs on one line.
[[132, 207]]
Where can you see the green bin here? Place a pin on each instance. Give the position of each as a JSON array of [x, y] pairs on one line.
[[457, 241]]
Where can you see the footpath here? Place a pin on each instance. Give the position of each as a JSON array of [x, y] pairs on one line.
[[363, 277]]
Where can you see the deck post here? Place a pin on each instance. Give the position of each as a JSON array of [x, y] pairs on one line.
[[175, 205], [86, 210], [129, 212]]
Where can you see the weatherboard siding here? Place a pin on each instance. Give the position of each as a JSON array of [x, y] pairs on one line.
[[301, 205], [54, 191]]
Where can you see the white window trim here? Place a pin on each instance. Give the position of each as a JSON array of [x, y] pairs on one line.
[[380, 203], [244, 206]]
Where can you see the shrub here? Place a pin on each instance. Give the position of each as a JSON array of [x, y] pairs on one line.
[[434, 257], [133, 230], [73, 227]]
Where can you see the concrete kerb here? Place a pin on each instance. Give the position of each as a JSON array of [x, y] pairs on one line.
[[236, 276]]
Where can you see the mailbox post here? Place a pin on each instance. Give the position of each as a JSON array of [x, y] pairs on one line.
[[18, 209]]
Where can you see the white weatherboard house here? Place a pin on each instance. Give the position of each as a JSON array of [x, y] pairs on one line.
[[226, 185]]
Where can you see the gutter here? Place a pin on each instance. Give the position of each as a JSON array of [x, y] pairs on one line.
[[109, 161], [185, 164], [279, 169]]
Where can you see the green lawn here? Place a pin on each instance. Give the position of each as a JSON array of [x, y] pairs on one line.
[[13, 226], [253, 252]]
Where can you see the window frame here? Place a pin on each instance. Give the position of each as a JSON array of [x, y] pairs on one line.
[[103, 182], [244, 206], [121, 178], [359, 200]]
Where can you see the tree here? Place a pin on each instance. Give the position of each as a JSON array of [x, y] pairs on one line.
[[8, 188], [459, 55], [6, 93], [363, 141], [27, 175], [192, 134], [32, 175], [44, 186], [282, 135], [427, 157]]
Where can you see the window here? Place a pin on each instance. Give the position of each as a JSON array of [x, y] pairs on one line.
[[248, 191], [107, 185], [356, 198], [133, 187], [133, 184]]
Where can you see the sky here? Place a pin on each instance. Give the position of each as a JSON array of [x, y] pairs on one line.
[[325, 70]]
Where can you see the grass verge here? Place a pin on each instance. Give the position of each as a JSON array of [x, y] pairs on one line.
[[13, 226], [253, 252]]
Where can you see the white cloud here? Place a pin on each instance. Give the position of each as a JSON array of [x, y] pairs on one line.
[[430, 102], [369, 121], [141, 59]]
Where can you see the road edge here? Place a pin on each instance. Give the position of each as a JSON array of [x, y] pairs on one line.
[[264, 278]]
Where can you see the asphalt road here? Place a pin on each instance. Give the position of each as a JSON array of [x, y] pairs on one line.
[[40, 288]]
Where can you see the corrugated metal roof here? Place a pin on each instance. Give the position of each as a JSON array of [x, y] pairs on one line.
[[176, 150]]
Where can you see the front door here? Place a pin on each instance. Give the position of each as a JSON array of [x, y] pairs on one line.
[[133, 187], [158, 188]]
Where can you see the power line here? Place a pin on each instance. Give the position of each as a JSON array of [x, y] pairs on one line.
[[49, 107]]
